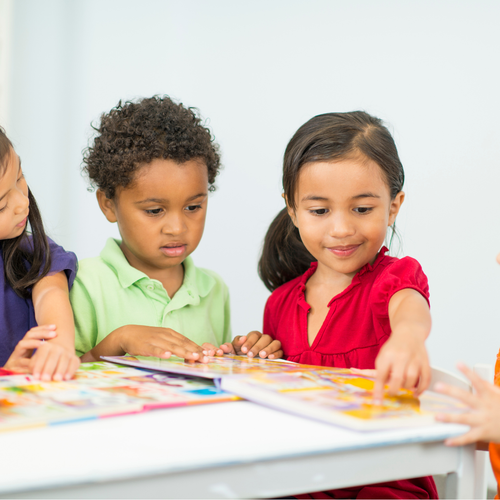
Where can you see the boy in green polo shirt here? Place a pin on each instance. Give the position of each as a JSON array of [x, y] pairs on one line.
[[153, 164]]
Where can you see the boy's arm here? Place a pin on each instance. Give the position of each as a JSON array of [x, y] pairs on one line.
[[403, 360], [51, 303]]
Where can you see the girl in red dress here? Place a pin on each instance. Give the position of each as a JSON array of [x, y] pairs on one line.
[[337, 298]]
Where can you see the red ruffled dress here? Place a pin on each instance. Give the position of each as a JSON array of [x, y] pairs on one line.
[[354, 330]]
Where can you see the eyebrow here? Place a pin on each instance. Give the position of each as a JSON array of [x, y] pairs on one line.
[[365, 195], [7, 192], [313, 197], [164, 200]]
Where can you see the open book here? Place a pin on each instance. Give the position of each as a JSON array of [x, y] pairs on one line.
[[98, 390], [330, 395]]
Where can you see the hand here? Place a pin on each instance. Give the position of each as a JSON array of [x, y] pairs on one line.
[[20, 358], [485, 406], [159, 342], [254, 344], [402, 363], [211, 350], [53, 361]]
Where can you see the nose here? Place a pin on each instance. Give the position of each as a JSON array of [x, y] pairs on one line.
[[21, 201], [174, 225], [340, 226]]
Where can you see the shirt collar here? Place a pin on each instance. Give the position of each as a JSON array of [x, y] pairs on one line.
[[197, 283]]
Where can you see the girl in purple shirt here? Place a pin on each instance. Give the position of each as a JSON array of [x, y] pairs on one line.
[[35, 275]]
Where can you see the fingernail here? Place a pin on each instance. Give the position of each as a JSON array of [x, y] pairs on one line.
[[250, 354], [262, 354], [244, 349], [439, 386], [45, 377], [271, 356], [67, 376], [58, 377]]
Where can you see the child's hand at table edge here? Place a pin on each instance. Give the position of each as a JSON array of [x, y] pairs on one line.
[[403, 361], [161, 343], [254, 344], [53, 361], [140, 340], [485, 410], [19, 360]]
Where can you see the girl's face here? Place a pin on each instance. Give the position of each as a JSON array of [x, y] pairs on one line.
[[343, 211], [14, 203]]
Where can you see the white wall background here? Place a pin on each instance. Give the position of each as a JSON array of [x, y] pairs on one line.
[[258, 70]]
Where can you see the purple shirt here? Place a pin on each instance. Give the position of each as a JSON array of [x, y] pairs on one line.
[[17, 315]]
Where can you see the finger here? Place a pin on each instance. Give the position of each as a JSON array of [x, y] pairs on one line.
[[270, 349], [227, 348], [470, 437], [24, 346], [238, 341], [208, 348], [164, 351], [396, 379], [172, 336], [42, 333], [382, 375], [251, 340], [466, 397], [51, 362], [260, 345], [277, 355], [38, 361], [479, 384], [61, 367], [425, 379], [412, 376], [73, 366]]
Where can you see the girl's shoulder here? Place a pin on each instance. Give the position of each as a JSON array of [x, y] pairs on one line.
[[394, 274]]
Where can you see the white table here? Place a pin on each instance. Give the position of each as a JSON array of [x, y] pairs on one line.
[[224, 450]]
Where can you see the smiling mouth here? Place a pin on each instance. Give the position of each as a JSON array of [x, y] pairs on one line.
[[345, 251]]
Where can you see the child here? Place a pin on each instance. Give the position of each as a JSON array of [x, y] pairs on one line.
[[338, 299], [485, 415], [34, 272], [153, 164]]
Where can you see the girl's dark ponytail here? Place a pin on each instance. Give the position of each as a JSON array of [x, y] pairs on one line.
[[284, 256], [21, 250]]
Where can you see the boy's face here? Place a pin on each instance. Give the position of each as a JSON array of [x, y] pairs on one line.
[[161, 215]]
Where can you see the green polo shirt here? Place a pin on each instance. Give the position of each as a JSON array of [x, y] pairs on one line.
[[109, 293]]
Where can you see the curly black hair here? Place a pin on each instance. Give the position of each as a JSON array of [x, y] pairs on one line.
[[136, 133]]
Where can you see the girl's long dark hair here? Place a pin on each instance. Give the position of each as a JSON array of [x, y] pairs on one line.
[[328, 137], [26, 259]]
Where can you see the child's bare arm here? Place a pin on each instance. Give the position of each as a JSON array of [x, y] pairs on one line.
[[138, 340], [403, 360], [485, 410], [254, 344], [55, 358]]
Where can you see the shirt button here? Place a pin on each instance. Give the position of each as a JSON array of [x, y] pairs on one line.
[[150, 287]]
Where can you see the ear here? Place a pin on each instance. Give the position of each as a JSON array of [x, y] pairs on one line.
[[291, 211], [395, 206], [107, 205]]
